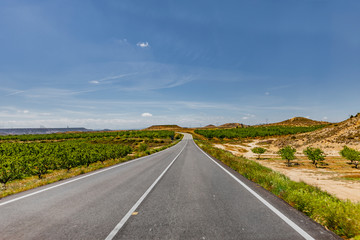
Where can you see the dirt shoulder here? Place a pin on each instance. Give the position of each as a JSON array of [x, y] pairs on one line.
[[331, 178]]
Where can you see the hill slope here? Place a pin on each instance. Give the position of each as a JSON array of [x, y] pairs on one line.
[[298, 121], [333, 136], [210, 126], [232, 125], [163, 127]]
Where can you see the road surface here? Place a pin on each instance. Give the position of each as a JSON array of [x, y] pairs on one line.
[[179, 193]]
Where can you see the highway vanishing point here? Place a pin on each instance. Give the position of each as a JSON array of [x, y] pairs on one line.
[[178, 193]]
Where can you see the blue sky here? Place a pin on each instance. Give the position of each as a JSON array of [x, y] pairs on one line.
[[129, 64]]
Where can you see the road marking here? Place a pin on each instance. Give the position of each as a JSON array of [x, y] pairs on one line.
[[79, 178], [266, 203], [141, 199]]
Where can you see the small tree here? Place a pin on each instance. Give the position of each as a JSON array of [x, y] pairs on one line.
[[316, 155], [259, 151], [351, 154], [287, 153]]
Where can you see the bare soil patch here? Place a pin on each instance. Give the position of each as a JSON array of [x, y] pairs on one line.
[[337, 177]]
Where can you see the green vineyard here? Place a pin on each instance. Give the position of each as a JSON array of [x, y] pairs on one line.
[[90, 135], [255, 131], [27, 155]]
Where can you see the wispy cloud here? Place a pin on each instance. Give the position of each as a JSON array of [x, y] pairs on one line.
[[145, 76], [110, 78], [14, 93], [121, 41], [143, 44], [53, 92], [11, 92], [279, 87], [283, 108]]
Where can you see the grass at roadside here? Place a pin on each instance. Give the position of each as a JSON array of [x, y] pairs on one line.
[[341, 217], [31, 182], [352, 177]]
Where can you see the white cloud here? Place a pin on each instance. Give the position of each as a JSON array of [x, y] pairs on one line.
[[267, 93], [143, 44], [94, 82], [325, 118], [248, 116], [146, 115], [23, 111]]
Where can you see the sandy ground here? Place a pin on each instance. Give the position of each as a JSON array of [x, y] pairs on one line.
[[323, 178]]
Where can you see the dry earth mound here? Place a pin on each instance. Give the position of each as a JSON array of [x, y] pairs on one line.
[[163, 127], [210, 126], [298, 121]]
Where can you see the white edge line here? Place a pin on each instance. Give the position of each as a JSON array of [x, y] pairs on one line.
[[266, 203], [137, 204], [82, 177]]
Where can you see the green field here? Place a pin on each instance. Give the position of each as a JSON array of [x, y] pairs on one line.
[[237, 133], [24, 156]]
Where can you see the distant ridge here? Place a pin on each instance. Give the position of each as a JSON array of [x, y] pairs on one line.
[[226, 125], [210, 126], [22, 131], [232, 125], [298, 121], [163, 127]]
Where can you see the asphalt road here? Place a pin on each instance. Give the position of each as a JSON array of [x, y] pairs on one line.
[[179, 193]]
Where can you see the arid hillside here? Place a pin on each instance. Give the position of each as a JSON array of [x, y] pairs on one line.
[[210, 126], [298, 121], [232, 125], [164, 127], [334, 136]]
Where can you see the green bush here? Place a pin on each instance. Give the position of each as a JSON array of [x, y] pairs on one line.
[[258, 151], [9, 170], [287, 153], [351, 154], [143, 147], [316, 155]]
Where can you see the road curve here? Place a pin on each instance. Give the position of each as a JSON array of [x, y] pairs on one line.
[[179, 193]]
